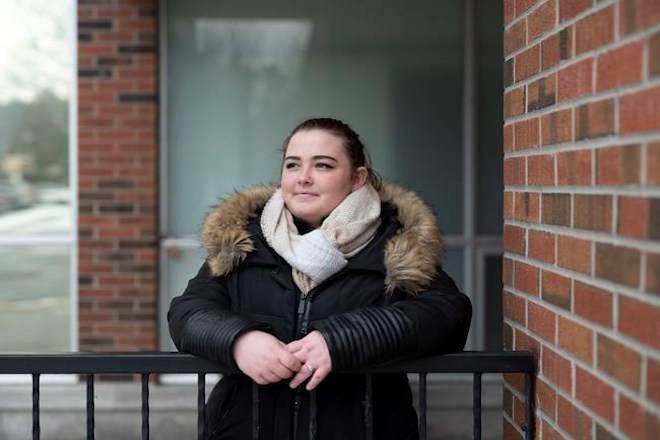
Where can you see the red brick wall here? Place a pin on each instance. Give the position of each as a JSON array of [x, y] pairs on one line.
[[117, 172], [582, 214]]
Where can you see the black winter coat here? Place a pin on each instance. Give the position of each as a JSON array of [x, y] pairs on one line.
[[390, 302]]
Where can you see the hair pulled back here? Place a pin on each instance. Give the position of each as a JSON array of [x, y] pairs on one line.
[[355, 149]]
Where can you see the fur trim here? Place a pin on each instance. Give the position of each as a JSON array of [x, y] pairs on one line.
[[224, 234], [411, 256]]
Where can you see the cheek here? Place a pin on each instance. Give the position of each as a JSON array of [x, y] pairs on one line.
[[285, 182], [341, 185], [337, 191]]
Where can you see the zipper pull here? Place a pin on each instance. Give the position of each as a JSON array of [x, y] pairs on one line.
[[301, 308]]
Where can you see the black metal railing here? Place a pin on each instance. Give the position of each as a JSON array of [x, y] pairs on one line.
[[90, 364]]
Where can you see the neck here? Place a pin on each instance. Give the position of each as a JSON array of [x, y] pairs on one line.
[[302, 226]]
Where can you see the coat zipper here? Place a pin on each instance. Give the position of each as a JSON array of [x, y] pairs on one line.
[[301, 329], [302, 326]]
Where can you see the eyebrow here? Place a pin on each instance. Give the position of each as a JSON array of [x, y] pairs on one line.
[[320, 157]]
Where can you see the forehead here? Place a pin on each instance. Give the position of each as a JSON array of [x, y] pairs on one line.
[[316, 143]]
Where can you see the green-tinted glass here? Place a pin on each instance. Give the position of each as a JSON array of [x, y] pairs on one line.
[[241, 75]]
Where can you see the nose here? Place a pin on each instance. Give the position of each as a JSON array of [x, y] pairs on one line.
[[305, 176]]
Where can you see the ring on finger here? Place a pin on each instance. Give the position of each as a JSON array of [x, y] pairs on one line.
[[310, 368]]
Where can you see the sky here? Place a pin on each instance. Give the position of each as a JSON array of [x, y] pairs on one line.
[[36, 48]]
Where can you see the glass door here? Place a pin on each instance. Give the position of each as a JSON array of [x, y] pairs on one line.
[[239, 76]]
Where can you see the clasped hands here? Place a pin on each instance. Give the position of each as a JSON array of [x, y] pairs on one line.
[[266, 359]]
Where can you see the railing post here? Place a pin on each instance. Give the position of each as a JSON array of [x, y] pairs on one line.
[[368, 413], [476, 405], [312, 415], [529, 411], [145, 407], [422, 406], [36, 426], [90, 407], [201, 407], [255, 412]]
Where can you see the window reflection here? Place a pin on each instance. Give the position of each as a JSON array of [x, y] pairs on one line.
[[36, 64], [256, 45], [34, 83], [33, 167]]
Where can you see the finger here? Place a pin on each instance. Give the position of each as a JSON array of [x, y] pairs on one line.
[[271, 377], [294, 345], [297, 380], [316, 379], [290, 361], [301, 356], [300, 377], [259, 380], [281, 371]]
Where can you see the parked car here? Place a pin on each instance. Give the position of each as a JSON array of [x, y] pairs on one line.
[[7, 198], [54, 194], [18, 194]]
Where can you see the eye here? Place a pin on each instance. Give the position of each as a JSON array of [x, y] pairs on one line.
[[324, 166], [290, 165]]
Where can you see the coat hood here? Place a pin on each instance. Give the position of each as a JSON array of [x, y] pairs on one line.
[[411, 256]]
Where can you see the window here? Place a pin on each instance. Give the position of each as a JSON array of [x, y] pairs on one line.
[[240, 76], [37, 238]]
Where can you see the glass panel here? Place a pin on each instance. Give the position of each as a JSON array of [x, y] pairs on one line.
[[182, 264], [493, 300], [242, 75], [34, 299], [35, 71], [489, 117], [452, 263]]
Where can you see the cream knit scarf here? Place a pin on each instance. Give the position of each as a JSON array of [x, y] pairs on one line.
[[317, 255]]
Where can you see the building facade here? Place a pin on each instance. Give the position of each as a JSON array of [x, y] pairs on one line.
[[581, 169], [180, 104]]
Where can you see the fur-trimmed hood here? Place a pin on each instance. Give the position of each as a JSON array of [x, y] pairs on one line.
[[411, 256]]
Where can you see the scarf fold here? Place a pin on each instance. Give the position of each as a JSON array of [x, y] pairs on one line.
[[318, 254]]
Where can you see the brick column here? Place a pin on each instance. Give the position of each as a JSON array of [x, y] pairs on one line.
[[582, 214], [117, 172]]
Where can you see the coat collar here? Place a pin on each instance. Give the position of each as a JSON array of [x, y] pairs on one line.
[[411, 255]]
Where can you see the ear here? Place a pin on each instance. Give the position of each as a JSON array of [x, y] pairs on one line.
[[360, 176]]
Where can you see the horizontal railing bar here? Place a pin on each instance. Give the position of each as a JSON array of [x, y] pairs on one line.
[[180, 363], [464, 362]]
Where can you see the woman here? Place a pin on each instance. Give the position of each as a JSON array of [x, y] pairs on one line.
[[329, 272]]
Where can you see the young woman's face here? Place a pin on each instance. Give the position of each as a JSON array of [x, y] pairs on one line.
[[317, 175]]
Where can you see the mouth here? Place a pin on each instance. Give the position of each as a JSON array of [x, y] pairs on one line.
[[305, 197]]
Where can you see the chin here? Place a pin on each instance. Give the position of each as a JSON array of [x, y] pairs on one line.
[[305, 215]]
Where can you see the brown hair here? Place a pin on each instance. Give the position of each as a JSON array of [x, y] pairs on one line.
[[357, 152]]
